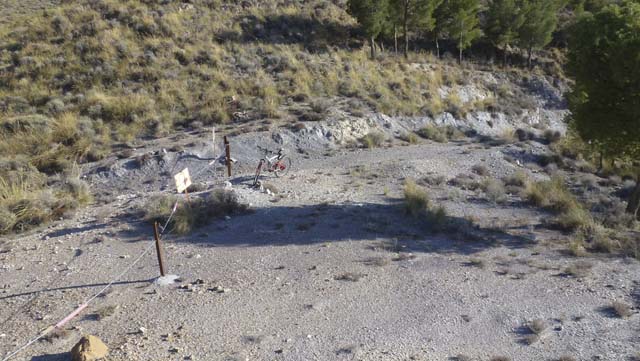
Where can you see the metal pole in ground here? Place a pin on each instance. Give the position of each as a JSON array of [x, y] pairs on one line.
[[227, 149], [156, 235]]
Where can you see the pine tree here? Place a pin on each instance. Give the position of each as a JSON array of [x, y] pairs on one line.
[[413, 15], [372, 15], [459, 18], [605, 101], [504, 20], [541, 19]]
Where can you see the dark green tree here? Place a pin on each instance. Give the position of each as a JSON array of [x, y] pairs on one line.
[[541, 19], [413, 15], [604, 60], [503, 22], [459, 19], [373, 16]]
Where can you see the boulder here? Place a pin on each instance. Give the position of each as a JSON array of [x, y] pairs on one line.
[[89, 348]]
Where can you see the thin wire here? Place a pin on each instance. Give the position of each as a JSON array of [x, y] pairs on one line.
[[87, 301], [42, 334]]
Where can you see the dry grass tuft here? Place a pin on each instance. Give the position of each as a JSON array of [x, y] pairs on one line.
[[440, 134], [105, 312], [416, 199], [349, 277], [621, 309], [494, 190], [579, 269], [537, 326], [199, 212], [554, 196], [373, 139]]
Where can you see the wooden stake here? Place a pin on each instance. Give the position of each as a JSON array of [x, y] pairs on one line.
[[186, 193], [227, 149], [156, 235]]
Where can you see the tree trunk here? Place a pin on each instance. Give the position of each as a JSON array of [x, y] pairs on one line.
[[601, 165], [381, 46], [395, 38], [460, 43], [372, 42], [504, 55], [405, 30], [437, 48], [530, 50], [634, 202]]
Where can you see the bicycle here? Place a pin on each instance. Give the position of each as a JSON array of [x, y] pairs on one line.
[[278, 164]]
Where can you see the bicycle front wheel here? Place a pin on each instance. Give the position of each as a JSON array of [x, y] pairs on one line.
[[258, 170], [281, 167]]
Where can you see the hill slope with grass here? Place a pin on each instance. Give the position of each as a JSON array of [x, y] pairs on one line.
[[80, 79]]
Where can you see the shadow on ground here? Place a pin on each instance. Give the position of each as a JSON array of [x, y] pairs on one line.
[[53, 357], [313, 33], [323, 223], [93, 285]]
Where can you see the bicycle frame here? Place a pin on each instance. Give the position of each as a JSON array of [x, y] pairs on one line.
[[270, 162]]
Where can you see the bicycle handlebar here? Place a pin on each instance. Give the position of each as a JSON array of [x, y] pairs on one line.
[[265, 150]]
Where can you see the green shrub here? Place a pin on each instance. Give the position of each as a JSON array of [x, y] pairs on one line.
[[373, 139], [434, 133], [198, 212], [494, 190], [518, 179], [7, 220], [418, 205], [416, 199], [554, 196]]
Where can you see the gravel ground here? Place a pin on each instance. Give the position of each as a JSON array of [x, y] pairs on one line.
[[329, 268]]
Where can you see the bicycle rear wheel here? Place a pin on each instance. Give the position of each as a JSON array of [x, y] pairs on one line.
[[281, 167]]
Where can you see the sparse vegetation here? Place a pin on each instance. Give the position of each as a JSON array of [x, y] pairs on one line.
[[81, 77], [518, 179], [349, 276], [537, 326], [554, 196], [579, 269], [105, 312], [494, 190], [418, 205], [480, 169], [193, 214], [621, 309], [373, 139], [477, 262], [440, 134]]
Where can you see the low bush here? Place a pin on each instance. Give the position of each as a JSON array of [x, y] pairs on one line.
[[480, 169], [554, 196], [466, 182], [198, 212], [518, 179], [552, 136], [440, 134], [418, 205], [494, 190], [621, 309], [373, 139]]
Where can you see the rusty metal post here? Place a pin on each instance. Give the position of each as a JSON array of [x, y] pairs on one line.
[[227, 150], [156, 235]]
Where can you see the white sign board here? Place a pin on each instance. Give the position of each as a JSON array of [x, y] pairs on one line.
[[183, 180]]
